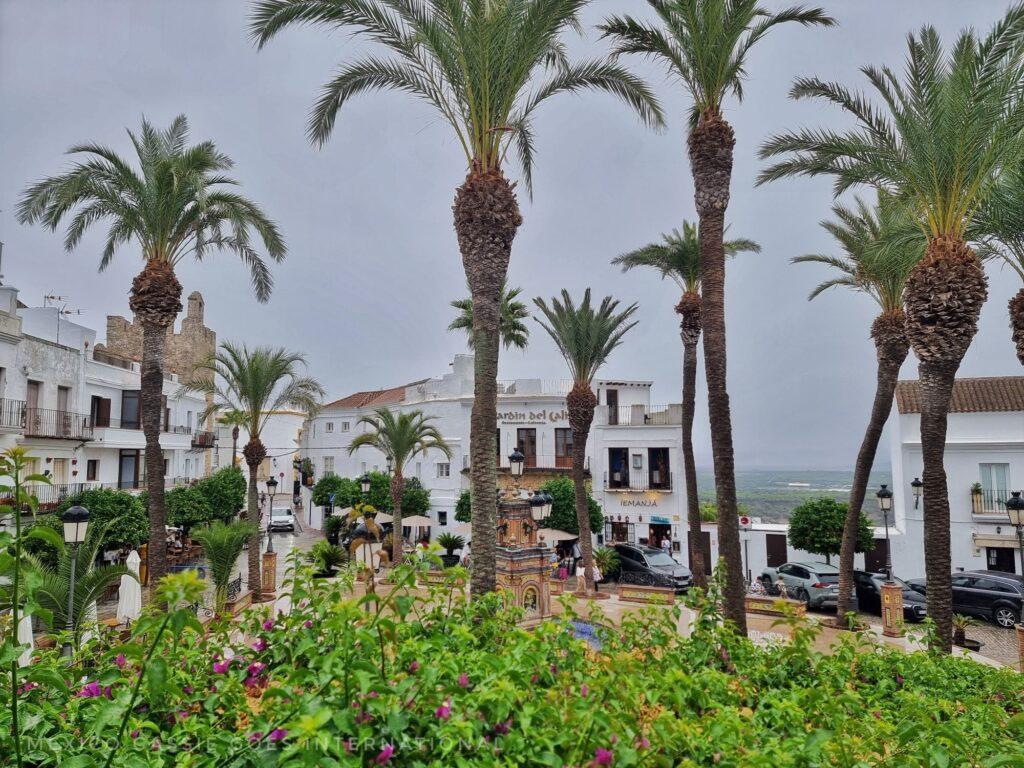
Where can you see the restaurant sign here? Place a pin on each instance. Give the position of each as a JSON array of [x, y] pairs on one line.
[[543, 416]]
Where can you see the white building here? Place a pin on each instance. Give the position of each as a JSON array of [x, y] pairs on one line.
[[77, 410], [633, 454], [280, 437]]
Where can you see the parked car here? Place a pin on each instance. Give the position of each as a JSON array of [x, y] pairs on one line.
[[282, 519], [649, 565], [816, 584], [868, 589], [992, 595]]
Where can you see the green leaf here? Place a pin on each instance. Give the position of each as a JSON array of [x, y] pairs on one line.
[[46, 535]]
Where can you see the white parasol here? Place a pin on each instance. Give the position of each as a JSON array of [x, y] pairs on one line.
[[25, 638], [417, 521], [129, 594], [383, 517], [555, 535], [463, 529]]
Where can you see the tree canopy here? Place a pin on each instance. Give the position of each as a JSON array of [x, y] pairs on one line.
[[816, 526]]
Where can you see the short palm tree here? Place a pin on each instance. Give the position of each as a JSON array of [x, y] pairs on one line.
[[233, 419], [179, 203], [585, 335], [868, 266], [677, 257], [513, 331], [937, 142], [255, 383], [705, 44], [399, 436], [222, 544], [484, 66]]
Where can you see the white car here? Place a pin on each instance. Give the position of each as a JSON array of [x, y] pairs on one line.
[[282, 519]]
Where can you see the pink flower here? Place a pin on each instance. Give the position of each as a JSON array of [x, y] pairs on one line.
[[385, 755], [444, 712], [255, 737], [464, 680], [135, 733], [278, 734], [584, 690], [221, 667], [643, 742], [413, 667], [603, 757], [533, 679], [614, 739], [256, 668], [268, 625], [260, 645], [120, 660], [502, 729], [90, 691], [372, 695], [308, 623], [155, 746]]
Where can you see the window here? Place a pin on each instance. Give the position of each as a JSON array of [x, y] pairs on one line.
[[419, 469], [130, 409], [128, 471], [362, 468], [995, 480], [657, 468], [330, 426], [328, 465], [444, 469], [563, 447], [92, 469], [344, 426], [99, 411], [188, 420], [442, 517]]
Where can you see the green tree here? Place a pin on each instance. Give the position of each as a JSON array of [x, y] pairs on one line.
[[464, 508], [871, 264], [705, 45], [817, 525], [178, 204], [399, 436], [512, 329], [187, 507], [585, 335], [677, 257], [224, 491], [563, 515], [255, 382], [222, 544], [937, 141], [415, 498], [485, 67], [122, 516], [346, 492]]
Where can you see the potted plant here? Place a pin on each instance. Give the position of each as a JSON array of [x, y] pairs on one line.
[[332, 528], [450, 542], [960, 625], [326, 557], [977, 499], [607, 561], [222, 544]]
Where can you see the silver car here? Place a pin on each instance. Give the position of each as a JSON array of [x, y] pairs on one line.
[[816, 584]]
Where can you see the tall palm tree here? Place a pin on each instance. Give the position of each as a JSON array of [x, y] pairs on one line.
[[485, 66], [705, 44], [399, 436], [585, 335], [512, 330], [866, 266], [255, 383], [233, 419], [177, 204], [937, 142], [678, 257]]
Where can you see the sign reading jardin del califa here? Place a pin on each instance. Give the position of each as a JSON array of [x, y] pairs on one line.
[[543, 416]]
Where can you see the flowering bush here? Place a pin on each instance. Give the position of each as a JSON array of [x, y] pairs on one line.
[[395, 680]]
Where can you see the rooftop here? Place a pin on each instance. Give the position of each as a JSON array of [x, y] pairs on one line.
[[991, 394]]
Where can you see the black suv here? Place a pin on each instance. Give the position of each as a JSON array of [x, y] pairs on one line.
[[651, 566], [993, 595], [868, 588]]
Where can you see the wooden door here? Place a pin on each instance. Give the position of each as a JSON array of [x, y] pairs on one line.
[[874, 560], [776, 549]]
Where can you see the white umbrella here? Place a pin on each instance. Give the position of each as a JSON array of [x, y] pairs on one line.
[[417, 521], [554, 535], [89, 623], [463, 529], [383, 517], [25, 637], [129, 594]]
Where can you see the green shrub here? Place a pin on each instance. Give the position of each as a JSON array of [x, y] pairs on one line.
[[449, 542], [464, 508], [563, 508], [187, 507], [222, 545], [130, 526], [346, 492], [816, 526], [224, 491], [325, 557]]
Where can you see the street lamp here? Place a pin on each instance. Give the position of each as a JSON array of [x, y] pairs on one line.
[[537, 505], [1015, 509], [516, 461], [885, 506], [918, 486], [76, 523], [271, 492], [549, 502], [364, 482]]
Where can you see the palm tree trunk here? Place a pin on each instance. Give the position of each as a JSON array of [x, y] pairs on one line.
[[689, 325], [944, 296], [254, 453], [486, 219], [397, 489], [155, 298], [711, 145], [581, 403], [890, 336]]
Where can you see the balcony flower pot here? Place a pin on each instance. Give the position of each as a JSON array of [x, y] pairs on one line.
[[977, 500]]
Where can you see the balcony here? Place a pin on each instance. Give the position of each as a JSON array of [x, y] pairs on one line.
[[638, 415], [51, 496], [106, 422], [12, 414], [989, 502], [627, 481], [62, 425], [203, 439], [536, 463]]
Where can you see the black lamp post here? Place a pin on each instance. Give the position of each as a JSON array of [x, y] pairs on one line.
[[76, 524], [537, 506], [516, 461], [1015, 510], [885, 506], [271, 492], [918, 486], [364, 482]]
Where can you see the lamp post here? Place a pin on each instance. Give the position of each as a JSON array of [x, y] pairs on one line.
[[885, 507], [892, 593], [76, 524], [1015, 511], [271, 492], [269, 576], [516, 463], [918, 486], [364, 483]]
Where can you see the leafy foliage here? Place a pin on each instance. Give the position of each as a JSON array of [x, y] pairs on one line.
[[126, 513], [464, 508], [187, 507], [346, 492], [449, 542], [224, 491], [512, 330], [563, 508], [817, 526], [399, 436], [325, 557], [222, 545]]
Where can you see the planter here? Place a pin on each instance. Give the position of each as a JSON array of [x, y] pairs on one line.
[[449, 560], [977, 503], [328, 574], [970, 645], [774, 606]]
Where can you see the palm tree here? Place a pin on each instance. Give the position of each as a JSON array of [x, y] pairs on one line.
[[399, 436], [937, 143], [222, 544], [678, 257], [512, 329], [485, 67], [255, 383], [585, 335], [705, 43], [233, 419], [881, 273], [177, 204]]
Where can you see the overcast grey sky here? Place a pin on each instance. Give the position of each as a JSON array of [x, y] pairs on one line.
[[372, 258]]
